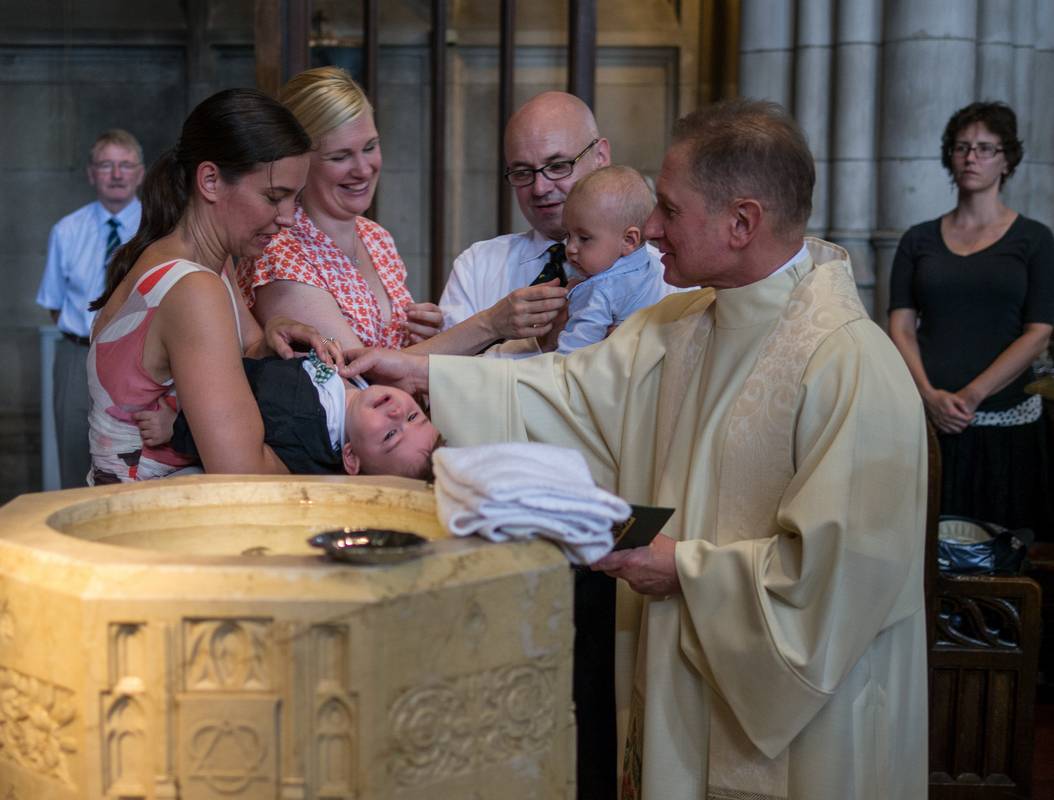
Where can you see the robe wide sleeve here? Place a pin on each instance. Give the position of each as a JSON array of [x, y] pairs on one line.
[[775, 623], [593, 400], [572, 402]]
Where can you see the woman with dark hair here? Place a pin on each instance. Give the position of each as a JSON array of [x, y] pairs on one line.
[[169, 321], [971, 307]]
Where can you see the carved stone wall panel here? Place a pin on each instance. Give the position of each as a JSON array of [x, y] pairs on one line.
[[125, 717], [166, 646], [330, 651], [228, 746], [124, 746], [334, 739], [35, 725], [335, 751], [228, 654], [449, 728]]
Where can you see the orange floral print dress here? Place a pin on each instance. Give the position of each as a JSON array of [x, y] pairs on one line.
[[304, 254]]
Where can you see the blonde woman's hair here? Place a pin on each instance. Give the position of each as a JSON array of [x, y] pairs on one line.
[[323, 99]]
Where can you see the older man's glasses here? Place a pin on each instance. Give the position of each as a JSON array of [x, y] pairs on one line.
[[110, 166], [554, 170], [984, 150]]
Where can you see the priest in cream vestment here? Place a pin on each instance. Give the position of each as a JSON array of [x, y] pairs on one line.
[[775, 646]]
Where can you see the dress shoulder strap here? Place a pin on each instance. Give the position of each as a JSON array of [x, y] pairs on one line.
[[155, 283]]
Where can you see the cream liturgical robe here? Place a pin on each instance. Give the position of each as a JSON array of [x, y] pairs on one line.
[[783, 426]]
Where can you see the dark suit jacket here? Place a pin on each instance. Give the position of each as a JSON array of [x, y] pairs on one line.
[[294, 420]]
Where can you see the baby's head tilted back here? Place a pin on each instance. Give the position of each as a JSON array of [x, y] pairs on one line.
[[386, 433]]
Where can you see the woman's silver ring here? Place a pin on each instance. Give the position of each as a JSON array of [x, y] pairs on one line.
[[327, 340]]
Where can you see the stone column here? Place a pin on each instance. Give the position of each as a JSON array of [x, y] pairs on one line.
[[812, 96], [1041, 124], [995, 68], [1018, 194], [928, 71], [995, 49], [766, 50], [853, 142]]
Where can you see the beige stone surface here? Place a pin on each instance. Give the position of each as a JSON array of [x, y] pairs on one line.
[[179, 639]]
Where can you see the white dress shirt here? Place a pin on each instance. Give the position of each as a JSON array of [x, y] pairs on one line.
[[74, 274], [490, 270]]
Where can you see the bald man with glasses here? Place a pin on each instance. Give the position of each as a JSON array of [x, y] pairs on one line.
[[516, 281]]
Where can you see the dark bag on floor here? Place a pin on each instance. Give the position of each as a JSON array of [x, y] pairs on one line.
[[971, 547]]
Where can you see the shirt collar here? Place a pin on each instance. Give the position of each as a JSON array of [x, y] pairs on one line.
[[631, 261], [624, 264], [127, 216], [801, 255], [537, 244]]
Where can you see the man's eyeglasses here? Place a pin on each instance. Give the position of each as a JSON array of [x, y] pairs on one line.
[[554, 170], [984, 150], [110, 166]]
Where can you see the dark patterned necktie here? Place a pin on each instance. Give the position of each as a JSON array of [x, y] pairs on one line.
[[113, 241], [554, 267]]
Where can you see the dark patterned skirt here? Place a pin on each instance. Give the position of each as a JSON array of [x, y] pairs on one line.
[[999, 474]]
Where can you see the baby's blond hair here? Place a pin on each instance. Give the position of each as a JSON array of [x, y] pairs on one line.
[[620, 191]]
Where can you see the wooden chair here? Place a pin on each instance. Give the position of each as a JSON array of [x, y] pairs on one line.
[[984, 637]]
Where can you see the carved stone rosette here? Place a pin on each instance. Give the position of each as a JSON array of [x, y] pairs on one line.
[[452, 727], [34, 720]]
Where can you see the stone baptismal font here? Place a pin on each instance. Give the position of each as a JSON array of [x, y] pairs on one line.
[[181, 639]]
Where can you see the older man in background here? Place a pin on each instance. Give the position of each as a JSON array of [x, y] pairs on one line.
[[79, 247]]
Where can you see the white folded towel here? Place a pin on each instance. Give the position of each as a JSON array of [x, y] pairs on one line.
[[518, 491]]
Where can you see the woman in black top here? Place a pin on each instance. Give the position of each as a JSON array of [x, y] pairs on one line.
[[971, 307]]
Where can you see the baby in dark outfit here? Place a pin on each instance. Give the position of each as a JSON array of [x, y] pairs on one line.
[[318, 423]]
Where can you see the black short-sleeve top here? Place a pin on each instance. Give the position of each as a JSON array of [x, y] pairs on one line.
[[971, 308]]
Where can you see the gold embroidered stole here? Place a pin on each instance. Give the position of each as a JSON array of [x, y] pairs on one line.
[[757, 464], [685, 343]]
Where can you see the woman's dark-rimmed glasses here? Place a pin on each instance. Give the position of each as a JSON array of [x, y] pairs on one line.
[[984, 150]]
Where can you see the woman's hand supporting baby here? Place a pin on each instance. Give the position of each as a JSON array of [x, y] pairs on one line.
[[281, 333]]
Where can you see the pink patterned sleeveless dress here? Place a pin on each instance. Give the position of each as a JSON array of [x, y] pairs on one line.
[[305, 254], [118, 385]]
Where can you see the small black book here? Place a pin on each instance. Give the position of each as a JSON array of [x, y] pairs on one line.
[[642, 525]]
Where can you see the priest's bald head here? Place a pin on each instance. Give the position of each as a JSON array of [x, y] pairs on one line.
[[550, 143], [734, 195]]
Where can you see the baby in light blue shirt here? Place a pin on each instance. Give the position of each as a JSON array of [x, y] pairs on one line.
[[605, 215]]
